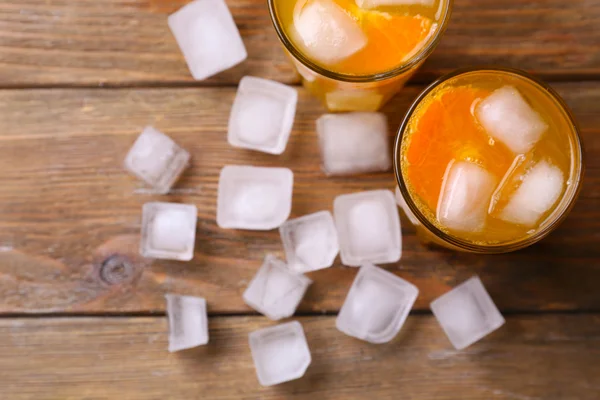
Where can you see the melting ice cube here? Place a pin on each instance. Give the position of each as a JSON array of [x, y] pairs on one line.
[[467, 313], [377, 305], [254, 198], [276, 291], [188, 322], [368, 226], [310, 242], [507, 117], [538, 193], [208, 38], [280, 353], [156, 159], [392, 3], [465, 196], [262, 115], [354, 143], [327, 32], [168, 231]]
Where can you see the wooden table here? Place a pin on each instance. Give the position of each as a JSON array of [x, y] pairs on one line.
[[79, 80]]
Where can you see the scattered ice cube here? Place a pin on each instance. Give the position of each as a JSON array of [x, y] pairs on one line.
[[353, 100], [168, 231], [507, 117], [539, 192], [188, 322], [377, 305], [465, 196], [402, 204], [310, 242], [157, 160], [354, 143], [368, 226], [467, 313], [254, 198], [262, 115], [280, 353], [208, 38], [327, 32], [275, 290], [393, 3]]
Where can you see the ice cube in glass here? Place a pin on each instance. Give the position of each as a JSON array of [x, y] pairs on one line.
[[467, 313], [208, 37], [507, 117], [157, 160], [465, 196], [262, 115], [188, 322], [368, 226], [326, 31], [168, 231], [275, 290], [280, 353], [254, 198], [377, 305], [354, 143], [310, 242]]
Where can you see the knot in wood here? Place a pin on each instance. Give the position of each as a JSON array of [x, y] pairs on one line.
[[116, 270]]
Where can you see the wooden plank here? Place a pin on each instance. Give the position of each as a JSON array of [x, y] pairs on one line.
[[550, 357], [59, 42], [67, 205]]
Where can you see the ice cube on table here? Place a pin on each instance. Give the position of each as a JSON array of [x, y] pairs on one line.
[[392, 3], [157, 160], [275, 290], [208, 37], [538, 193], [326, 32], [402, 204], [168, 231], [507, 117], [377, 305], [465, 196], [467, 313], [262, 115], [354, 143], [188, 322], [254, 198], [310, 242], [368, 226], [280, 353]]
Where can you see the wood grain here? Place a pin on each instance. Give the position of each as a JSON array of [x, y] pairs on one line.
[[67, 205], [116, 42], [549, 357]]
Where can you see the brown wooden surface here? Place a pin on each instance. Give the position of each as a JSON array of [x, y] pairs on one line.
[[117, 42], [126, 358], [79, 79]]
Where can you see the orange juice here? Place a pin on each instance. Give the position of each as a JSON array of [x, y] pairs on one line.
[[489, 159]]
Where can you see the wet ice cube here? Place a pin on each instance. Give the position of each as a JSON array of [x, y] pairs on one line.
[[254, 198], [326, 31], [402, 204], [354, 143], [393, 3], [280, 353], [507, 117], [538, 193], [465, 196], [262, 115], [208, 37], [188, 322], [467, 313], [168, 231], [157, 160], [310, 242], [376, 306], [275, 290], [368, 226]]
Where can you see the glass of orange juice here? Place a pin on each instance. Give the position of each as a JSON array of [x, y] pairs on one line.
[[354, 55], [488, 161]]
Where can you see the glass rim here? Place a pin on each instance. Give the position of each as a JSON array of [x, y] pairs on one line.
[[414, 60], [517, 244]]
